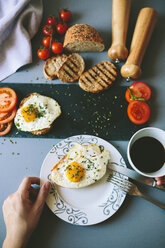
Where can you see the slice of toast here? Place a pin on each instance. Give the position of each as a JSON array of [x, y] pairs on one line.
[[72, 68], [39, 131], [98, 78], [52, 65]]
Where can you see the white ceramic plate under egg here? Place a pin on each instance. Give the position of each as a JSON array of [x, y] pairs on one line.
[[89, 205]]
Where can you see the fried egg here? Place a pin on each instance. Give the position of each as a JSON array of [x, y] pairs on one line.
[[83, 165], [36, 113]]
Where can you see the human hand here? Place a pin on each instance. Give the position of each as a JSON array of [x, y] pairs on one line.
[[22, 211], [160, 180]]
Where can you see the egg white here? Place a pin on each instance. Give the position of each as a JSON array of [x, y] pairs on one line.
[[50, 111], [90, 157]]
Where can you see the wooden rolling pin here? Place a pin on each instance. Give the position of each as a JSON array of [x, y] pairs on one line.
[[144, 26], [120, 19]]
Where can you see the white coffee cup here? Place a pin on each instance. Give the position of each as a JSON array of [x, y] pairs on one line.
[[156, 133]]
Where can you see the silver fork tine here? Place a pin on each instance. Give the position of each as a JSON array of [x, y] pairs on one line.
[[121, 183]]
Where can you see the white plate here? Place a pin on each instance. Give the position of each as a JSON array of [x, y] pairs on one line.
[[89, 205]]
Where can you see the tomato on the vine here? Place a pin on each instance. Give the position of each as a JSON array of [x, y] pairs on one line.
[[48, 30], [47, 41], [57, 47], [61, 28], [138, 91], [65, 15], [51, 20], [43, 53], [138, 112]]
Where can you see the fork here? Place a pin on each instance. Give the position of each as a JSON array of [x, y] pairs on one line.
[[131, 189]]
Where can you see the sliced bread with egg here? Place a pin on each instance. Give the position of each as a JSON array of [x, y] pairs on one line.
[[98, 78], [72, 68], [83, 38], [36, 114], [52, 65]]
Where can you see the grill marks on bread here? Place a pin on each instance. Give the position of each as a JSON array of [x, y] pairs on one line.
[[72, 68], [67, 68], [52, 65], [98, 78]]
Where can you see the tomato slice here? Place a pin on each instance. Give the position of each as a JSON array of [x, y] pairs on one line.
[[139, 90], [138, 112], [5, 128], [8, 99], [7, 116]]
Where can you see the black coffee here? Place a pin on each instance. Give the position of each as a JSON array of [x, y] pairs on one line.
[[147, 154]]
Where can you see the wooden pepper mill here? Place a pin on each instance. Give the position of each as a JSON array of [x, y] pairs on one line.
[[120, 19], [144, 27]]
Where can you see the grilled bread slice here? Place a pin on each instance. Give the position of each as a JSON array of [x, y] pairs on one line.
[[72, 68], [98, 78], [83, 38], [52, 65]]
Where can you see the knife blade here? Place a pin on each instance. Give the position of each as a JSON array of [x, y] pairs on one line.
[[134, 175]]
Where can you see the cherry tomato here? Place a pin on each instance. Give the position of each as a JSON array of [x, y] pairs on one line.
[[8, 99], [51, 20], [43, 53], [139, 90], [61, 28], [5, 128], [48, 30], [138, 112], [47, 41], [57, 47], [7, 116], [65, 15]]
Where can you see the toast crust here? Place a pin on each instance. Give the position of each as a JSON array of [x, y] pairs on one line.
[[98, 78]]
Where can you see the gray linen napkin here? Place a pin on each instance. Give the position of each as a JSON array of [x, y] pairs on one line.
[[19, 22]]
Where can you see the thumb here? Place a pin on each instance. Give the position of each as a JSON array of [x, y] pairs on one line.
[[42, 195]]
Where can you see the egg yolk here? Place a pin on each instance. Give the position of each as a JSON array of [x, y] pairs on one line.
[[74, 172], [28, 114]]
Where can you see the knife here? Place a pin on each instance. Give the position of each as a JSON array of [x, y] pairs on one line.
[[134, 175]]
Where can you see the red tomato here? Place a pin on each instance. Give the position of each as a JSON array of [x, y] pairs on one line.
[[8, 99], [139, 90], [57, 47], [7, 116], [61, 28], [5, 128], [47, 41], [48, 30], [43, 53], [51, 20], [138, 112], [65, 15]]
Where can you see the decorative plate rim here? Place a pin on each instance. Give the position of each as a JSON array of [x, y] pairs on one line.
[[65, 211]]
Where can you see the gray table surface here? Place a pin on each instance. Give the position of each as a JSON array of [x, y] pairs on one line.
[[137, 223]]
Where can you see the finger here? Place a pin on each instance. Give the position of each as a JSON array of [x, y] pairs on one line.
[[26, 183], [160, 180], [25, 186], [33, 194], [33, 191], [41, 198]]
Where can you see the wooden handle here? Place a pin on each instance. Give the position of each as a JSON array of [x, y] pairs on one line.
[[143, 30], [120, 19]]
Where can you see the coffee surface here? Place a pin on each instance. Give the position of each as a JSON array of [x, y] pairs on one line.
[[147, 154]]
